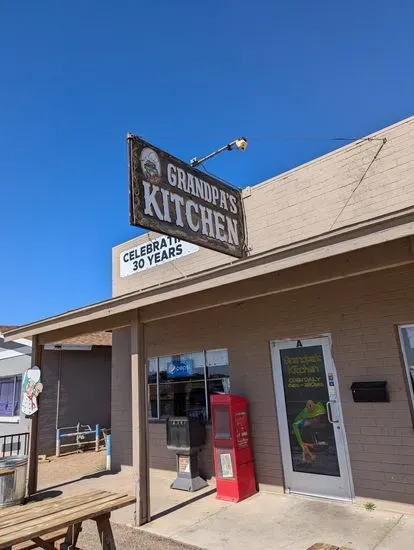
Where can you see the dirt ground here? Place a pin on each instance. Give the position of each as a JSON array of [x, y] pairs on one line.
[[56, 471], [69, 467], [127, 539]]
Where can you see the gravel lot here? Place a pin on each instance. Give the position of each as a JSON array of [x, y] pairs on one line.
[[126, 539]]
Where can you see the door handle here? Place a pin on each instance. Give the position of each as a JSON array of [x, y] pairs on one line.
[[329, 413]]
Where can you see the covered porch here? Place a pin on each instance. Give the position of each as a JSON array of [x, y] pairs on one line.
[[291, 269], [72, 474]]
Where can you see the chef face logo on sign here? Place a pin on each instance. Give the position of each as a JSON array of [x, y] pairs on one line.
[[150, 164]]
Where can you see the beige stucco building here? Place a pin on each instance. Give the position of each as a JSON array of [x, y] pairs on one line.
[[324, 299]]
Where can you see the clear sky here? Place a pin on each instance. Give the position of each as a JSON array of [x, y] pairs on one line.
[[190, 76]]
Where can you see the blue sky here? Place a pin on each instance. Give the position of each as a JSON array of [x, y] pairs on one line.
[[190, 76]]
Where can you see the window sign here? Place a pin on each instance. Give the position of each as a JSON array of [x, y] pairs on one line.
[[181, 385], [312, 439], [180, 368]]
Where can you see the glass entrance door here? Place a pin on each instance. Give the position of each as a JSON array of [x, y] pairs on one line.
[[313, 443]]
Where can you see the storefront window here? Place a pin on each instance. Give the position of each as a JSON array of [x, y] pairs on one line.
[[407, 347], [181, 385]]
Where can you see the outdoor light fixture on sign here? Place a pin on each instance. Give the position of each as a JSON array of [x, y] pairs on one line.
[[169, 196]]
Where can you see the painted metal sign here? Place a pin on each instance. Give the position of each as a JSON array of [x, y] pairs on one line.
[[170, 197], [152, 254], [32, 386]]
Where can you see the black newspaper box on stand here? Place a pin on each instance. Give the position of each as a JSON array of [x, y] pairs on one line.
[[186, 436]]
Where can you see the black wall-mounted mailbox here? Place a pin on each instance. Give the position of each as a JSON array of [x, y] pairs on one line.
[[370, 392]]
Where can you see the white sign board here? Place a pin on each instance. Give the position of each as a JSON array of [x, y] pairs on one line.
[[153, 253]]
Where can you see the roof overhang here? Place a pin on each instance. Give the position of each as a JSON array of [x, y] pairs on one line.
[[119, 311]]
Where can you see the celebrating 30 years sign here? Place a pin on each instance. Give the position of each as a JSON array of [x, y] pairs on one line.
[[153, 253], [170, 197]]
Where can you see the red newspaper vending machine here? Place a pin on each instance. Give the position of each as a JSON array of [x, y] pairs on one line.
[[233, 459]]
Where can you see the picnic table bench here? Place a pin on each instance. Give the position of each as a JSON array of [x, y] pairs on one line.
[[44, 522]]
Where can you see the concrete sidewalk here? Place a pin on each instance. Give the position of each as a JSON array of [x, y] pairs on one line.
[[278, 522], [265, 521]]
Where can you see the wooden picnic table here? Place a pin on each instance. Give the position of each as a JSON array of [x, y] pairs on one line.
[[46, 521]]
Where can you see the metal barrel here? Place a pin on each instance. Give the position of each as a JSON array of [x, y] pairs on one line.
[[12, 480]]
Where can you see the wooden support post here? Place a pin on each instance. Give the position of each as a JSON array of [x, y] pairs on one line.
[[37, 356], [139, 423]]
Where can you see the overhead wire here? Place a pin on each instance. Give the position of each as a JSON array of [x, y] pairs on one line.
[[258, 138], [218, 177], [281, 138]]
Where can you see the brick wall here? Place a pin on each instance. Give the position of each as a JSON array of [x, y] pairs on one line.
[[85, 394], [361, 314], [47, 418], [121, 403], [305, 202]]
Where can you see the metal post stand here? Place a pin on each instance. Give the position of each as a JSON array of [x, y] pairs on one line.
[[188, 475]]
